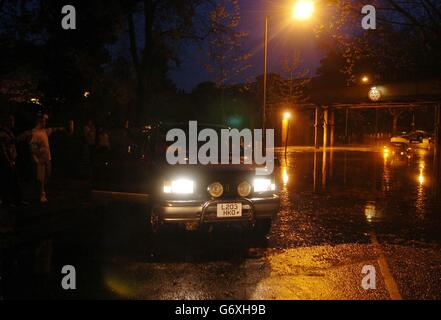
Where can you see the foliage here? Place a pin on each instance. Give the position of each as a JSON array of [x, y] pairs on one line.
[[167, 26], [406, 32]]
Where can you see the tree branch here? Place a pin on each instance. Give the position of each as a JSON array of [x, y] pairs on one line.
[[133, 43], [429, 13], [434, 7], [407, 15]]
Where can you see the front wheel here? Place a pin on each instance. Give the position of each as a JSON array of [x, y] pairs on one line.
[[155, 224]]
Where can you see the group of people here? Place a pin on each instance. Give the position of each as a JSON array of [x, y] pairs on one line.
[[41, 156], [9, 188]]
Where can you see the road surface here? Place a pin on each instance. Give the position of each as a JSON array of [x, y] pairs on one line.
[[342, 211]]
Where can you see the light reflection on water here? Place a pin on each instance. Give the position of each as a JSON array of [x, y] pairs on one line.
[[370, 211], [285, 176], [385, 181], [421, 196]]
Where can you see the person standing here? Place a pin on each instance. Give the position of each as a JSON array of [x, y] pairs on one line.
[[41, 154], [89, 133], [89, 138], [10, 190]]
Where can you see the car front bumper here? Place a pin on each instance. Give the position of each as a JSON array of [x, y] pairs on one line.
[[197, 211]]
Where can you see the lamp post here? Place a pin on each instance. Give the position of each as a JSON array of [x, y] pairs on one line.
[[265, 75], [302, 10], [287, 120]]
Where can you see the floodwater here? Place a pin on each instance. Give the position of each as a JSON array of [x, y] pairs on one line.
[[377, 188], [341, 210]]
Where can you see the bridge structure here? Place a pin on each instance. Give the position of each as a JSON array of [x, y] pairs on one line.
[[391, 96]]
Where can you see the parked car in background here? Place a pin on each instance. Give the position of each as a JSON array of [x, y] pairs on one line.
[[419, 139]]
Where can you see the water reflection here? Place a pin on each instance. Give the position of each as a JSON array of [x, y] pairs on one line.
[[392, 182], [324, 173], [420, 203], [324, 169], [421, 177], [285, 176], [370, 211], [386, 179], [386, 153], [315, 172]]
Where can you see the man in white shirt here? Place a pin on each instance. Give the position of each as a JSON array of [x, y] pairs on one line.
[[41, 153]]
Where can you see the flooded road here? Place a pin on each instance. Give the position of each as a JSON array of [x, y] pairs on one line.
[[342, 211]]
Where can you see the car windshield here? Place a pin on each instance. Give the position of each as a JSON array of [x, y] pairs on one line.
[[161, 144]]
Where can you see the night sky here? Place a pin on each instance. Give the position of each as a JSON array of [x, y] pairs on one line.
[[284, 41]]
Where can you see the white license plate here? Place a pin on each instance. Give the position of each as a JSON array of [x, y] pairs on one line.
[[229, 210]]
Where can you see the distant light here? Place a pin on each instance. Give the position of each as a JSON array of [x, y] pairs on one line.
[[287, 115], [375, 94], [235, 121], [86, 94], [35, 101], [303, 10], [365, 79]]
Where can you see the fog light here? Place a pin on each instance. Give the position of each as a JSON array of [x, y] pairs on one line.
[[244, 189], [216, 190]]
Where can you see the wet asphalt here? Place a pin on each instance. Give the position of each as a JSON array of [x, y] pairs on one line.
[[341, 211]]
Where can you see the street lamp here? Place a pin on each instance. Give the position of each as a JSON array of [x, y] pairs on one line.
[[302, 10]]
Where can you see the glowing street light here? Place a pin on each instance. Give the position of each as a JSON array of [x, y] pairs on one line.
[[365, 79], [303, 10], [287, 116]]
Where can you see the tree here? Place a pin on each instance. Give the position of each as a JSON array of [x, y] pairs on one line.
[[226, 58], [294, 87], [406, 32], [17, 74], [167, 25], [60, 65], [290, 90]]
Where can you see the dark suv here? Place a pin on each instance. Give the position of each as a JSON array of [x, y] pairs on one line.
[[191, 195]]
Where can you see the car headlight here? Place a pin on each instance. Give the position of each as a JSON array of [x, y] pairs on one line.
[[215, 189], [180, 186], [244, 189], [263, 185]]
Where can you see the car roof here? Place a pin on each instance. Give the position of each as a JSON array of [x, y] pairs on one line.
[[170, 125]]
